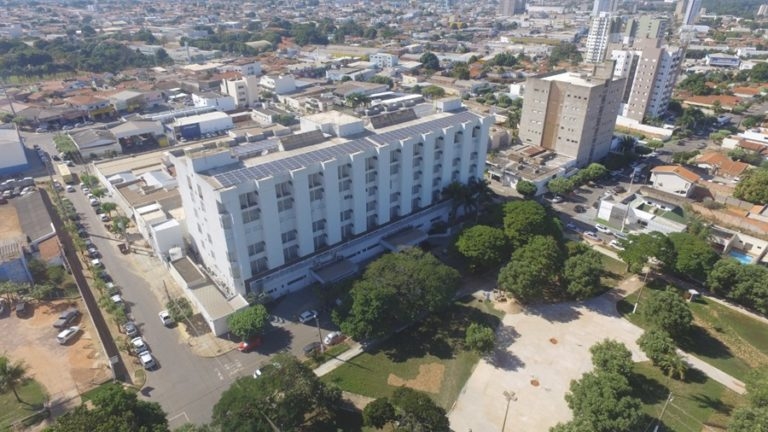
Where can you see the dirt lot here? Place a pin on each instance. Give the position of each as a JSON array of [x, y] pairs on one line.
[[64, 370]]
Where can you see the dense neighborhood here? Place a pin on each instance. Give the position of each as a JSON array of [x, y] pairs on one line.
[[381, 215]]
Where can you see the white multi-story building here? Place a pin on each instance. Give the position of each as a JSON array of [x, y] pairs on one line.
[[213, 100], [599, 36], [384, 60], [245, 90], [692, 9], [274, 221], [279, 84], [603, 6]]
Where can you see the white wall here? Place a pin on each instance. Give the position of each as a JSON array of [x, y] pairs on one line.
[[671, 183]]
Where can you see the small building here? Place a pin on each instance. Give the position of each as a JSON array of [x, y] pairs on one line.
[[214, 100], [196, 126], [674, 179], [278, 84], [138, 133], [92, 107], [127, 100], [718, 164], [13, 262], [14, 159], [722, 60], [96, 141]]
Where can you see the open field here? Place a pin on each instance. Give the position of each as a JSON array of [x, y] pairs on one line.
[[33, 397]]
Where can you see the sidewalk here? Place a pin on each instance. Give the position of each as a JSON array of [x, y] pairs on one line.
[[714, 373], [339, 360]]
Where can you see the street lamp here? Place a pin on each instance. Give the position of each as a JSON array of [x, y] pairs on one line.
[[647, 271], [510, 396]]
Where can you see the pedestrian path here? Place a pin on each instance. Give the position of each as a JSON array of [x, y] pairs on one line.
[[339, 360], [714, 373]]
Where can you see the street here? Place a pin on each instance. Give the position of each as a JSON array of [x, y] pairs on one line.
[[187, 386]]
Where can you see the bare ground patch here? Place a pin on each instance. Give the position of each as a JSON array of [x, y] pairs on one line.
[[429, 379]]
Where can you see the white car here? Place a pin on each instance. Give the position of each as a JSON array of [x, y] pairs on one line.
[[139, 346], [603, 229], [333, 338], [592, 236], [67, 334], [96, 263], [165, 317], [616, 245], [307, 315], [70, 188], [147, 360]]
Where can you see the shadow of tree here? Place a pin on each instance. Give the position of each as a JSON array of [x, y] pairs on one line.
[[648, 390], [279, 340], [560, 312], [700, 342]]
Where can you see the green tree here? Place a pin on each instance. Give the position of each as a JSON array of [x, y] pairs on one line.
[[759, 73], [114, 410], [725, 275], [561, 185], [289, 397], [397, 289], [661, 350], [753, 186], [180, 309], [749, 419], [249, 321], [460, 70], [108, 207], [757, 387], [480, 338], [667, 311], [603, 402], [525, 219], [612, 357], [582, 274], [38, 269], [433, 92], [526, 188], [12, 375], [483, 246], [356, 99], [694, 257], [378, 413], [418, 412], [533, 269], [429, 61], [638, 249]]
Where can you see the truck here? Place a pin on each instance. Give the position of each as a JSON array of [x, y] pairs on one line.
[[66, 175], [66, 317]]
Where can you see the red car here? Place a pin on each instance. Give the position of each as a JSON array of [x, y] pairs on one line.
[[250, 344]]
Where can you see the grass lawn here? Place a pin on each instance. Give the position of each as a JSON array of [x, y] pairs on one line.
[[430, 357], [728, 340], [11, 411], [613, 270], [696, 402], [90, 394]]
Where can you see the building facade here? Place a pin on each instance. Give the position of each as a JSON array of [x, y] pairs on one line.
[[603, 6], [653, 80], [572, 114], [245, 90], [269, 223], [600, 34], [511, 7], [384, 60]]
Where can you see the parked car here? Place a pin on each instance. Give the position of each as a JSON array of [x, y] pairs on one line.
[[117, 299], [96, 263], [557, 199], [93, 252], [104, 217], [250, 344], [619, 235], [307, 315], [112, 289], [130, 329], [591, 235], [616, 245], [147, 361], [138, 345], [70, 188], [333, 338], [578, 208], [165, 317], [67, 334], [311, 348], [95, 202], [602, 228], [66, 317], [67, 128], [619, 189], [572, 226]]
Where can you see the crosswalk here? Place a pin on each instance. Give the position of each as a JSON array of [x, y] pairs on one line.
[[229, 369]]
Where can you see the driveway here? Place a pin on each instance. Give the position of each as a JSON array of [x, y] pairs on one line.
[[541, 350]]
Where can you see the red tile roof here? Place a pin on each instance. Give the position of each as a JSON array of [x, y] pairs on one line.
[[679, 171]]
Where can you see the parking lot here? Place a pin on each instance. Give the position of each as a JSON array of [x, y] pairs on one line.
[[64, 370]]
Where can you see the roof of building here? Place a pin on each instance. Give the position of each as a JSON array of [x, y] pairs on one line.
[[754, 146], [49, 249], [679, 171], [34, 217], [10, 249], [214, 115], [91, 138], [136, 127], [126, 94], [725, 100], [723, 163], [575, 78]]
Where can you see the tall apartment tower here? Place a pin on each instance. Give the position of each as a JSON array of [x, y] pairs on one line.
[[572, 113], [644, 27], [687, 11], [603, 6], [602, 31], [511, 7], [274, 216], [651, 80]]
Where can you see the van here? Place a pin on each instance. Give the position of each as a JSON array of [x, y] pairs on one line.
[[67, 334]]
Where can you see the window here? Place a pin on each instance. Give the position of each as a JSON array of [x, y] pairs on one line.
[[316, 194], [289, 236], [370, 206], [347, 231], [320, 241], [346, 215], [394, 169], [345, 185], [315, 180], [318, 225], [291, 253], [345, 171], [250, 199], [258, 265], [256, 248], [251, 215], [285, 204], [283, 189], [370, 177]]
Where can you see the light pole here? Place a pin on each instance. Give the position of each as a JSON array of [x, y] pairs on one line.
[[646, 270], [658, 422], [510, 396]]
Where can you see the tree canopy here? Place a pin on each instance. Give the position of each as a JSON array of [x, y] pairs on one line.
[[483, 246], [114, 410], [612, 357], [526, 219], [248, 322], [744, 284], [667, 311], [582, 273], [396, 289], [638, 249], [753, 186], [533, 269], [526, 188], [661, 350], [694, 257], [429, 61], [480, 338], [287, 395], [755, 416]]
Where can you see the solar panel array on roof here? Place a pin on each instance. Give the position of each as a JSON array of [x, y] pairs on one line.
[[422, 128], [390, 118], [280, 166], [255, 148]]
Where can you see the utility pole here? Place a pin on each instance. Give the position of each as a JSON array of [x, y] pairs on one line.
[[510, 396], [658, 422], [319, 332], [646, 270]]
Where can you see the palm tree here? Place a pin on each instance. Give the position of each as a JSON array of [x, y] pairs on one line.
[[480, 193], [626, 143], [108, 207], [99, 192], [12, 375], [459, 195]]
